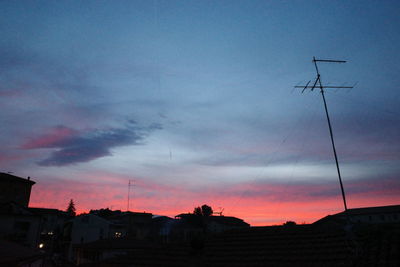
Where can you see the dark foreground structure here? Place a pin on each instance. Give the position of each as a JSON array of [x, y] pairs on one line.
[[290, 245]]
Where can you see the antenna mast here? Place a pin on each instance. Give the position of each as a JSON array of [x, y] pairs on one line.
[[130, 183], [318, 84]]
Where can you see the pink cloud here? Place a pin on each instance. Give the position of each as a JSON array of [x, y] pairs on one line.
[[72, 146], [54, 137]]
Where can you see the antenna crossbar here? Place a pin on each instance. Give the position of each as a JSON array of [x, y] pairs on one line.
[[329, 60], [324, 87]]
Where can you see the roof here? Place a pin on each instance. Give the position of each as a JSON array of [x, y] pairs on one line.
[[135, 213], [10, 177], [46, 211], [372, 210], [94, 216], [338, 218], [227, 220]]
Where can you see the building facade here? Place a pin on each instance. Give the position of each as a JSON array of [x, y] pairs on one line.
[[15, 189]]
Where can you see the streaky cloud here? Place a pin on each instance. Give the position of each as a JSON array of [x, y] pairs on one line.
[[75, 146]]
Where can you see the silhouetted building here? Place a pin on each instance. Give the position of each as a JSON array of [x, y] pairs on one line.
[[189, 225], [19, 225], [369, 215], [161, 228], [51, 228], [90, 227], [31, 226], [137, 224], [15, 189], [218, 224]]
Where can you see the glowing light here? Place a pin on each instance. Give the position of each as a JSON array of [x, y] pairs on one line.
[[41, 245], [118, 234]]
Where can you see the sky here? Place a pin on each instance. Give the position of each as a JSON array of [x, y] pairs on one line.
[[194, 103]]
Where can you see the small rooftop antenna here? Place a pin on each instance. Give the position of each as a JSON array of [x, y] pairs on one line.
[[318, 84], [219, 212], [130, 183]]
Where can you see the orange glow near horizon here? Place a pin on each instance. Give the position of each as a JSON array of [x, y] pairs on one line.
[[284, 204]]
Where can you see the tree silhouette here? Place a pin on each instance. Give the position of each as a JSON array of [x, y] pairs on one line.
[[71, 208], [197, 211], [290, 223], [204, 211], [105, 213]]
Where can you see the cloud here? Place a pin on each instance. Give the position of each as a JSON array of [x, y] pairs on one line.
[[75, 146]]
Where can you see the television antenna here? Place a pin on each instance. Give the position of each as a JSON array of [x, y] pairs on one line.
[[130, 183], [219, 212], [318, 84]]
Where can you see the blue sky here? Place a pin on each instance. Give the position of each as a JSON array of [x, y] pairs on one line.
[[194, 100]]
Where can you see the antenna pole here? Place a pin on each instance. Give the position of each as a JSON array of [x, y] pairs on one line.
[[129, 192], [329, 124]]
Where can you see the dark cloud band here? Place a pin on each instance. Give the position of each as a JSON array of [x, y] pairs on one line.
[[83, 146]]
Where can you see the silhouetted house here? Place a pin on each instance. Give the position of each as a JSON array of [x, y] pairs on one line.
[[88, 228], [190, 225], [137, 225], [218, 224], [30, 226], [18, 224], [161, 228], [370, 215], [15, 189], [51, 227]]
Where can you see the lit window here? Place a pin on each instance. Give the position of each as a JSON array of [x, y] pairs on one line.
[[41, 245]]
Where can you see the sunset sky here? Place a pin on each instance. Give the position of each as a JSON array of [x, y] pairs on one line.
[[194, 102]]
